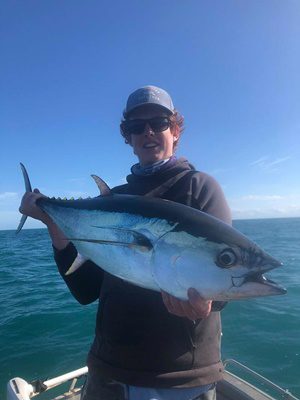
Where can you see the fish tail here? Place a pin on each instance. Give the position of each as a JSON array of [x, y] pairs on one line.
[[28, 188]]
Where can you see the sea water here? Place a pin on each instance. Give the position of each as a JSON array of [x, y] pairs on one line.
[[44, 332]]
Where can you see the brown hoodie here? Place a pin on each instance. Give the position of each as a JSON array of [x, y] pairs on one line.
[[137, 341]]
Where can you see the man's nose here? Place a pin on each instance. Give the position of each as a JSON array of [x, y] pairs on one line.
[[148, 130]]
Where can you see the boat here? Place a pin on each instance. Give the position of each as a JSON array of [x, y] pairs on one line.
[[232, 387]]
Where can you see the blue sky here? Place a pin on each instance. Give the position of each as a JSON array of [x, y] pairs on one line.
[[232, 68]]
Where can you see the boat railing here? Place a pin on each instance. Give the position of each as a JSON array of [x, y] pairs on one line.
[[19, 389], [284, 393]]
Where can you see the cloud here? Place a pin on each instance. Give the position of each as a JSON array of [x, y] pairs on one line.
[[267, 164], [257, 213], [8, 195], [262, 197], [265, 206], [279, 161], [11, 219], [267, 197], [260, 161]]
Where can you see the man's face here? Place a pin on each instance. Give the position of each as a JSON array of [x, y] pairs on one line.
[[151, 146]]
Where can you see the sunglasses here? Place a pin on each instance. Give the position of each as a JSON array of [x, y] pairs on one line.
[[137, 126]]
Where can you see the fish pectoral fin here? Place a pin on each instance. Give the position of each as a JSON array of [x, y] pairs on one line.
[[133, 238], [77, 263], [138, 244]]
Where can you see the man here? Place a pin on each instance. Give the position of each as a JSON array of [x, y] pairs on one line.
[[148, 345]]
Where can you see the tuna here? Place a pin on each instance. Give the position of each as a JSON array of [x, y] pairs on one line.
[[162, 245]]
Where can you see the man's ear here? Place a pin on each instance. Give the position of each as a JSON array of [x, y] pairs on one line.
[[176, 133]]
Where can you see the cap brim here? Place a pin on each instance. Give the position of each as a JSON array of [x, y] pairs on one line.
[[126, 113]]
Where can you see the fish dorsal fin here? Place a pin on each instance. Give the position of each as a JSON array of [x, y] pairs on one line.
[[103, 187]]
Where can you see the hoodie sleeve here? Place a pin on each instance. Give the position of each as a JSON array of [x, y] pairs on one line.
[[208, 197], [85, 283]]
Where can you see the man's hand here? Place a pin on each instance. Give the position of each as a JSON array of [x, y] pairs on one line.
[[28, 206], [194, 308]]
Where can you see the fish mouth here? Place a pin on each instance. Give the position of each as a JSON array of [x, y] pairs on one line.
[[260, 278], [260, 281], [255, 279]]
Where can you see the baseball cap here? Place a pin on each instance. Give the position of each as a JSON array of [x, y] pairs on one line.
[[149, 95]]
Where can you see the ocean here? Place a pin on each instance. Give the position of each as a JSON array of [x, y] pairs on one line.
[[44, 332]]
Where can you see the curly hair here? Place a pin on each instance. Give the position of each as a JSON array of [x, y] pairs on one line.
[[176, 122]]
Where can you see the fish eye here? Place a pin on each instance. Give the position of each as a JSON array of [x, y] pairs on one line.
[[227, 258]]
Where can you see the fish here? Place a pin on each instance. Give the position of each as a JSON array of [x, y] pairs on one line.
[[162, 245]]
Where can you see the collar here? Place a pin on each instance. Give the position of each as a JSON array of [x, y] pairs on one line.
[[138, 169]]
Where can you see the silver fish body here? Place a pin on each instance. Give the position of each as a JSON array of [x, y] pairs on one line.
[[162, 245]]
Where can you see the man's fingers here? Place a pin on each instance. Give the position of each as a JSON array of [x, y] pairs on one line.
[[171, 305], [200, 305], [189, 311], [28, 205], [194, 308], [166, 300], [178, 307]]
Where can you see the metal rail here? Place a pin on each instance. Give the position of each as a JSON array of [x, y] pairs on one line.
[[19, 389], [286, 395], [42, 386]]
